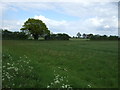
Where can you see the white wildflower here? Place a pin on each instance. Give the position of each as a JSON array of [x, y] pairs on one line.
[[89, 85], [48, 86], [62, 86], [51, 83], [3, 79], [10, 68], [16, 69], [66, 80], [27, 62], [57, 76], [59, 67], [65, 86], [61, 78], [12, 64], [13, 84], [8, 76], [8, 63], [31, 67], [57, 81], [65, 69]]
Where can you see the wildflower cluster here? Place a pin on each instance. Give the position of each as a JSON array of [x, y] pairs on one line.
[[59, 81], [12, 68]]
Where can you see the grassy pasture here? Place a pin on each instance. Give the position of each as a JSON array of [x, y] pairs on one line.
[[60, 64]]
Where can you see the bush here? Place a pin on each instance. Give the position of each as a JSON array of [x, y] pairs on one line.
[[57, 37], [8, 35], [104, 37]]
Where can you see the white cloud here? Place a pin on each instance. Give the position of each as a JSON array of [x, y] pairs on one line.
[[50, 21], [59, 0], [96, 21], [92, 25], [106, 26], [96, 18], [90, 9], [70, 27], [12, 25], [53, 24], [80, 9]]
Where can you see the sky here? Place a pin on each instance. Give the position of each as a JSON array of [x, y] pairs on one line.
[[63, 17]]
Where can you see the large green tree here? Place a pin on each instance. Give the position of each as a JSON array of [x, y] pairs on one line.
[[35, 27]]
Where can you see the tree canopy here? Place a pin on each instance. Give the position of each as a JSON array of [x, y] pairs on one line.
[[58, 36], [79, 35], [9, 35], [36, 27]]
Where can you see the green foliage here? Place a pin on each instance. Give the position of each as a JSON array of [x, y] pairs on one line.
[[84, 35], [35, 27], [8, 35], [78, 34], [104, 37], [54, 64], [57, 37], [97, 37]]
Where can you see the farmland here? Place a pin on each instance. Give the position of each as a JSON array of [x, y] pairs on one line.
[[59, 64]]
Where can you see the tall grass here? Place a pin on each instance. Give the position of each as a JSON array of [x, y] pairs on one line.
[[60, 64]]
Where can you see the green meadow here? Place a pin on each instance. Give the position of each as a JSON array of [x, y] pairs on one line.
[[59, 64]]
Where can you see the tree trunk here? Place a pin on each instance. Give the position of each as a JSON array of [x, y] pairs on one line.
[[35, 36]]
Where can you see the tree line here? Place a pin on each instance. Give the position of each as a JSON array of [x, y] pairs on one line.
[[36, 28], [9, 35], [97, 37]]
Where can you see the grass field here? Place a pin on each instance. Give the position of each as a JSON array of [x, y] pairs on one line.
[[60, 64]]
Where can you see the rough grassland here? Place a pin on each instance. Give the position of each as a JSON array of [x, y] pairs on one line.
[[60, 64]]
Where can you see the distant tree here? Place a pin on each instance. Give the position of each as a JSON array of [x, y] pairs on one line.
[[65, 36], [13, 35], [6, 34], [89, 36], [113, 37], [104, 37], [95, 37], [36, 27], [84, 35], [57, 37], [19, 35], [78, 35]]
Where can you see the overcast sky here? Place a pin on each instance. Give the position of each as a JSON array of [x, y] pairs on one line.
[[63, 17]]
